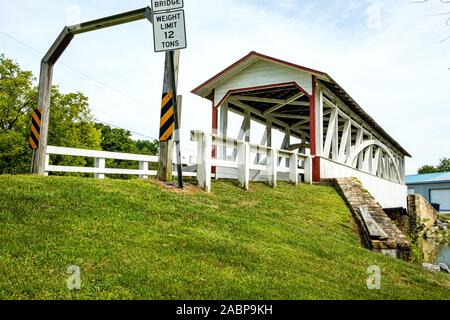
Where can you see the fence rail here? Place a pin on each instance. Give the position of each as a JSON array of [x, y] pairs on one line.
[[243, 164], [100, 170]]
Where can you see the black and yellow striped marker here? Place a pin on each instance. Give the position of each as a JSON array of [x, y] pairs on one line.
[[35, 129], [167, 122]]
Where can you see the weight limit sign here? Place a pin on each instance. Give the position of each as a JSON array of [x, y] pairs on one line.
[[169, 31]]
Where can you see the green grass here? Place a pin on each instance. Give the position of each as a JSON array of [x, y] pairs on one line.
[[135, 240]]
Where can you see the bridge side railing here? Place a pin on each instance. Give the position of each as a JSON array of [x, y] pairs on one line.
[[243, 164]]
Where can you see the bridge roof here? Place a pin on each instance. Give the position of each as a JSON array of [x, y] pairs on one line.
[[206, 89]]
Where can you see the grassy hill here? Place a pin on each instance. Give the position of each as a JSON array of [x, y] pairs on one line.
[[137, 240]]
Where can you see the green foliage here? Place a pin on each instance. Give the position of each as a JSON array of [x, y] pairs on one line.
[[71, 122], [136, 240], [427, 169], [443, 166], [120, 140], [147, 147], [17, 98], [72, 126]]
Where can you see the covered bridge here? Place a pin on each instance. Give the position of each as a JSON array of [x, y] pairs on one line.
[[307, 106]]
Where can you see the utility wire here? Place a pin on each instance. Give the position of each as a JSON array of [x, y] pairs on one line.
[[101, 83], [140, 103], [135, 133]]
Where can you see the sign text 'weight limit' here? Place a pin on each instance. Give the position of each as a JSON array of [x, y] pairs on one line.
[[169, 31]]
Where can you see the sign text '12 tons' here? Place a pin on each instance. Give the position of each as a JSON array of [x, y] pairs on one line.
[[165, 5], [169, 31]]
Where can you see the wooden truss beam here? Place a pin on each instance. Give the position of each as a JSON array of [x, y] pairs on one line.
[[269, 100], [284, 103]]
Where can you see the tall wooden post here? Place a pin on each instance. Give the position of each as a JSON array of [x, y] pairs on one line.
[[45, 87], [165, 167]]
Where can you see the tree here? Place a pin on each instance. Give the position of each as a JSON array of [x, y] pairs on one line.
[[444, 166], [147, 147], [120, 140], [427, 169], [17, 97], [71, 123]]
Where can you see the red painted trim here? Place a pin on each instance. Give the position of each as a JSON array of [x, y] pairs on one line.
[[261, 56], [276, 85], [313, 133]]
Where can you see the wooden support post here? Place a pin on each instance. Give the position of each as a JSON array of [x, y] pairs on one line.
[[47, 163], [165, 166], [293, 172], [144, 167], [45, 88], [272, 167], [269, 133], [100, 164], [309, 170], [247, 126], [224, 128], [344, 150], [285, 145], [376, 162], [319, 122], [244, 164], [335, 142], [204, 148]]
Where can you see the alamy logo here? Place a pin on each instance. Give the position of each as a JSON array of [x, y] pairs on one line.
[[74, 280], [373, 13], [374, 279]]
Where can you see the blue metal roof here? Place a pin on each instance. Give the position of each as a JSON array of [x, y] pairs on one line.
[[428, 178]]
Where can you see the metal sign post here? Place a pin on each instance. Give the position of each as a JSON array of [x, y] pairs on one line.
[[169, 34]]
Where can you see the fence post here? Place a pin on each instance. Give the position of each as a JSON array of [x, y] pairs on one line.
[[244, 164], [143, 166], [204, 154], [293, 169], [100, 164], [47, 164], [272, 167], [308, 170]]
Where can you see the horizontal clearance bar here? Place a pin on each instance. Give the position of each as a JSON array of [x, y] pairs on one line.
[[99, 154], [109, 21]]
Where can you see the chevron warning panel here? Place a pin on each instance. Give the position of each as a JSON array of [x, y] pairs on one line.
[[35, 129], [167, 123]]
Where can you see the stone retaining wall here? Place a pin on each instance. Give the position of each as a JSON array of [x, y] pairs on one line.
[[396, 245]]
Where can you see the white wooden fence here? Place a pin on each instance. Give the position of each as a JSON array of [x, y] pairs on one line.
[[242, 163], [100, 170]]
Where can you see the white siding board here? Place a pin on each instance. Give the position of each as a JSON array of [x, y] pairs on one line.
[[263, 73], [388, 194]]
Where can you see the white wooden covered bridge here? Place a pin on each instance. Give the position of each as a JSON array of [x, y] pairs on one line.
[[326, 134], [334, 137]]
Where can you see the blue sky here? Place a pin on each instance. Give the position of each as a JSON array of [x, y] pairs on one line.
[[386, 54]]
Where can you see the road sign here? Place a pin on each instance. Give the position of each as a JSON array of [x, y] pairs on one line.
[[35, 129], [161, 5], [169, 31]]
